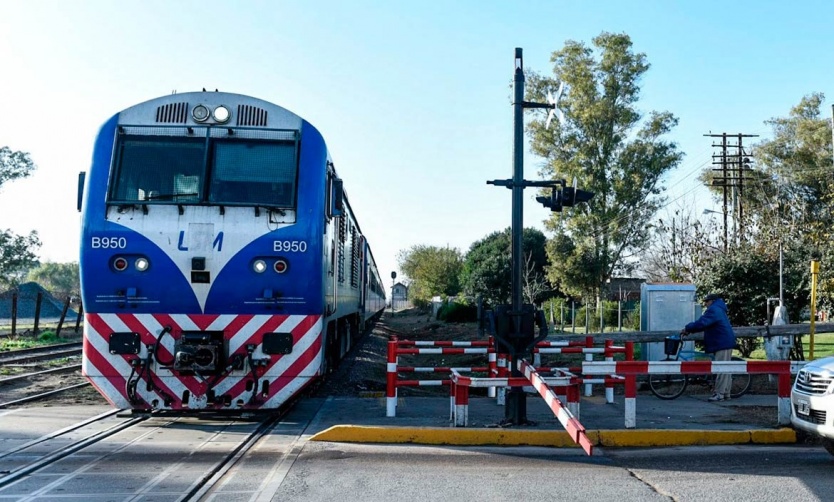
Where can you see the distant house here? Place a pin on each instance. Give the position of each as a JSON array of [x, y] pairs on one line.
[[624, 289], [27, 297], [399, 294]]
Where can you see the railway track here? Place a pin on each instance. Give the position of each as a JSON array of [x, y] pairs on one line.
[[156, 456], [41, 353]]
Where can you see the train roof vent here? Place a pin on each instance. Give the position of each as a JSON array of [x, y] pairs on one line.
[[172, 113], [248, 115]]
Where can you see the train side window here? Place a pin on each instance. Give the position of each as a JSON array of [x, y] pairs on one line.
[[335, 199]]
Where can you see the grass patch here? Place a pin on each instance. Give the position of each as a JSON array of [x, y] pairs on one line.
[[45, 338], [823, 347]]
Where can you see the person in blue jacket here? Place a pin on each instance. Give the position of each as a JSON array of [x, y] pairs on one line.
[[719, 339]]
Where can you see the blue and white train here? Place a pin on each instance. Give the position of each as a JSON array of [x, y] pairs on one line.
[[222, 267]]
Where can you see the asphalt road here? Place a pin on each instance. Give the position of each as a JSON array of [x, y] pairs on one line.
[[355, 472]]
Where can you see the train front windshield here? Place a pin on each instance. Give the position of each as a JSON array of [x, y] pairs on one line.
[[234, 170]]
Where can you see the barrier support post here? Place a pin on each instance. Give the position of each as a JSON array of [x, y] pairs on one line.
[[493, 367], [784, 391], [461, 404], [501, 397], [609, 385], [589, 343], [630, 401], [391, 388]]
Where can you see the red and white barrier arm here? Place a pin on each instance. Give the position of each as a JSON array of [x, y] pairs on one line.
[[572, 350], [439, 369], [571, 424], [441, 343], [442, 350], [688, 367]]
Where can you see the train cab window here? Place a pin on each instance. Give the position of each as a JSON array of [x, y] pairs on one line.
[[253, 173], [158, 170]]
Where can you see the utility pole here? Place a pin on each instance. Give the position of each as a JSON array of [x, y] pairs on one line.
[[732, 176]]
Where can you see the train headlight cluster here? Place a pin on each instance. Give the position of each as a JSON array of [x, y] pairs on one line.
[[122, 263], [220, 114], [279, 265]]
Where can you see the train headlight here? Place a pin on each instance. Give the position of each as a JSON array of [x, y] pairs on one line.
[[259, 266], [200, 113], [142, 264], [280, 266], [120, 264], [221, 114]]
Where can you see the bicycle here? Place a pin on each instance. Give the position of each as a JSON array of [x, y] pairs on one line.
[[673, 386]]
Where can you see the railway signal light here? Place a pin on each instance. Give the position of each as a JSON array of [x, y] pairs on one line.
[[555, 201]]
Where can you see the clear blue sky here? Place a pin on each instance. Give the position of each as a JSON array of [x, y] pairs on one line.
[[412, 97]]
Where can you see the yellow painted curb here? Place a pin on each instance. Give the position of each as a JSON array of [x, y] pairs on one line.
[[552, 438]]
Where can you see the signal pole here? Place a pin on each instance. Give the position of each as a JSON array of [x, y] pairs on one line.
[[515, 323]]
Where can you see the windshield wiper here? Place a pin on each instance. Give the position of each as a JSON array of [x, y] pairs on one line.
[[169, 196]]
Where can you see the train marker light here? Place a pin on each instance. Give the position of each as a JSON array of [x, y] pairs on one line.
[[142, 264], [221, 114], [200, 113], [120, 264], [259, 266], [280, 266]]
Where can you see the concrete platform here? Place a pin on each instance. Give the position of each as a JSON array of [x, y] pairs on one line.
[[688, 420]]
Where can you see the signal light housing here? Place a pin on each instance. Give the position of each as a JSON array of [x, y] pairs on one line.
[[120, 264]]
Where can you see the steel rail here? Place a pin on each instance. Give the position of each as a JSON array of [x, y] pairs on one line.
[[67, 450], [37, 373], [42, 395], [61, 432]]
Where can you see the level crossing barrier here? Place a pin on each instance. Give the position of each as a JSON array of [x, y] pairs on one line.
[[632, 369], [497, 367], [548, 388]]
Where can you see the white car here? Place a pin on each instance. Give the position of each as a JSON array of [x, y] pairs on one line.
[[812, 400]]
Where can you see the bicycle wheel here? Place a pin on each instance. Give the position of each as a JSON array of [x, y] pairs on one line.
[[740, 382], [667, 386]]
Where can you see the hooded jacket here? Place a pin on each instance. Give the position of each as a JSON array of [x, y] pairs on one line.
[[718, 334]]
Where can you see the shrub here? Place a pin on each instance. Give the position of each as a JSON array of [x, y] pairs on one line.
[[457, 312], [48, 336]]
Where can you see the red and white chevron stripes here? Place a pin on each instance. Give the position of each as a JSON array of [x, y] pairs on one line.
[[160, 387]]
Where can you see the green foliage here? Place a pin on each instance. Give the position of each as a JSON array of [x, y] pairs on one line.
[[631, 321], [48, 336], [747, 277], [17, 255], [611, 149], [14, 165], [434, 271], [487, 269], [457, 312], [60, 279]]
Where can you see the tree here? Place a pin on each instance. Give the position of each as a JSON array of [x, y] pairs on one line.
[[60, 279], [433, 271], [17, 253], [681, 247], [14, 165], [610, 149], [487, 269], [16, 256]]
